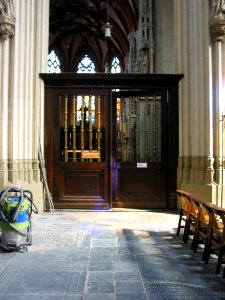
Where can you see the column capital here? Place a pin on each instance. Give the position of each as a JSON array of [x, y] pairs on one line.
[[217, 29], [7, 19], [217, 22]]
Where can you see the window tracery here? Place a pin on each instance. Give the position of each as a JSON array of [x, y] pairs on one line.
[[115, 66], [54, 65], [86, 65]]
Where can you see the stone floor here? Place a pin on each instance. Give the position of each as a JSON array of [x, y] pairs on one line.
[[110, 255]]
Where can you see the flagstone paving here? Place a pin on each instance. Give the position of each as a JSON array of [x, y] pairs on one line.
[[108, 255]]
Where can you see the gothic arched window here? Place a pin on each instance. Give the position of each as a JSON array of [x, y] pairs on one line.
[[115, 66], [86, 65], [53, 63]]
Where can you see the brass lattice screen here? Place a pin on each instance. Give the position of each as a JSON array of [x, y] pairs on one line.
[[81, 128], [139, 129]]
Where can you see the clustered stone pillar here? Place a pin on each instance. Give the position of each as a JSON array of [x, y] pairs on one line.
[[7, 29], [23, 55], [217, 27], [196, 108]]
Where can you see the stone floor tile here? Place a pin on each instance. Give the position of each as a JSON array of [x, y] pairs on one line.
[[176, 290], [103, 250], [104, 242], [100, 266], [132, 296], [124, 257], [129, 287], [100, 276], [102, 258], [103, 233], [127, 276], [130, 266], [99, 297], [39, 297], [124, 250], [100, 287]]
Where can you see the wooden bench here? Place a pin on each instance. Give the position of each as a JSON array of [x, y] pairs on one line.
[[184, 201], [206, 222], [188, 215]]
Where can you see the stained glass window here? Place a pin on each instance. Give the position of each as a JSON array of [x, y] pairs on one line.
[[89, 108], [86, 65], [115, 67], [53, 63]]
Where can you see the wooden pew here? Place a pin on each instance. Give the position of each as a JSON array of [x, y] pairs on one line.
[[183, 196], [217, 235], [206, 222], [188, 214], [204, 225]]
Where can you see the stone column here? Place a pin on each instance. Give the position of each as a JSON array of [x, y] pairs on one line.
[[217, 26], [22, 96], [195, 165], [7, 28]]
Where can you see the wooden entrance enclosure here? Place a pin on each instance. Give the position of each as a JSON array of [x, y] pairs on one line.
[[111, 140]]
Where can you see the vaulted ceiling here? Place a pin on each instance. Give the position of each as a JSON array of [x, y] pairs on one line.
[[77, 28]]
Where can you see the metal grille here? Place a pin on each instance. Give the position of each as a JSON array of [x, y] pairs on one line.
[[139, 129], [81, 133]]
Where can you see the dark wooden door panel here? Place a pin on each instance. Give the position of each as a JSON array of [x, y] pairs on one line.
[[82, 188], [82, 183], [138, 188], [138, 183]]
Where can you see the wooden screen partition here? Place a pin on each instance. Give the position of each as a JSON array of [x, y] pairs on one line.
[[111, 140]]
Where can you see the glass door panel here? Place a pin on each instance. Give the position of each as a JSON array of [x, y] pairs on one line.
[[82, 131], [138, 129]]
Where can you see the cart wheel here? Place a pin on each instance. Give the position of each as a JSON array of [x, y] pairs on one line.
[[23, 249], [29, 239], [29, 235]]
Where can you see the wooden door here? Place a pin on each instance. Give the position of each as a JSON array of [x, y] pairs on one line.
[[141, 148], [80, 142]]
